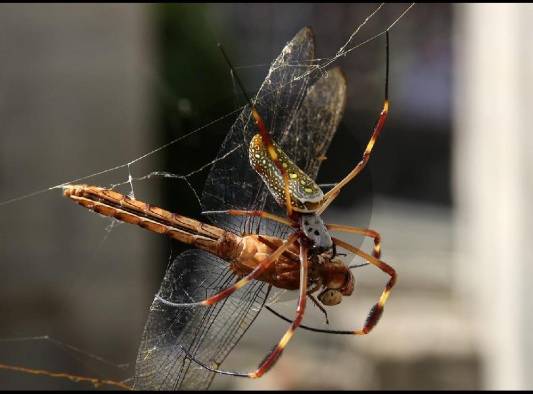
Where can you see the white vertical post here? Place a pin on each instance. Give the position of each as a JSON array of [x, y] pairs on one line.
[[493, 184]]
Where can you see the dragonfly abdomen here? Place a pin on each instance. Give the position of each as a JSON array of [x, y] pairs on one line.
[[183, 229], [255, 249]]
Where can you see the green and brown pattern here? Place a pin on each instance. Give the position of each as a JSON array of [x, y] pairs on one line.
[[305, 193]]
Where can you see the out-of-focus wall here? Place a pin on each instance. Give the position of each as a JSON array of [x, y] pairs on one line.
[[74, 99], [493, 150]]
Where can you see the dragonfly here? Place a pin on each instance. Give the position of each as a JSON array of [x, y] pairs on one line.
[[266, 231]]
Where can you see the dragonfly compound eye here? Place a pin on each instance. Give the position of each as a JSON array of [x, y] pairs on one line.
[[335, 275], [330, 297]]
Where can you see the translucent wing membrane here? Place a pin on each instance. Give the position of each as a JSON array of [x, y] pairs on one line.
[[316, 123], [312, 131], [302, 118], [277, 100], [206, 333]]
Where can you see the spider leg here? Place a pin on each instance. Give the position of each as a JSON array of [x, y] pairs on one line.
[[255, 273], [317, 304], [274, 355], [267, 141], [265, 135], [377, 310], [334, 192], [261, 214], [288, 253], [363, 231], [308, 328]]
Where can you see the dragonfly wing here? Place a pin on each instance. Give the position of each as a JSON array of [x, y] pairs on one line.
[[208, 333], [311, 132], [303, 122], [232, 183]]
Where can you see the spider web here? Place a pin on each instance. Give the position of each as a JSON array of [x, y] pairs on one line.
[[317, 66], [294, 81], [161, 363]]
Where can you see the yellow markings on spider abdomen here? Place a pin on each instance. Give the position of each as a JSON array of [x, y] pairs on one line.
[[304, 192]]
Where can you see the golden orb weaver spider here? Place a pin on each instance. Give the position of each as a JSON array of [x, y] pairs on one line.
[[304, 202]]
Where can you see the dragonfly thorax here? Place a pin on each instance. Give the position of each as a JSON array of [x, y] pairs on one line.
[[315, 230]]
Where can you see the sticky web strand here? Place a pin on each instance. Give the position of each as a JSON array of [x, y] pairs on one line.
[[317, 67], [68, 348], [170, 175], [323, 63], [345, 49], [120, 166], [76, 353], [96, 382]]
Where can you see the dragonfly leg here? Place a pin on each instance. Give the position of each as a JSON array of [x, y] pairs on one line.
[[376, 252], [334, 192], [274, 355], [377, 310], [261, 214], [256, 272], [320, 307]]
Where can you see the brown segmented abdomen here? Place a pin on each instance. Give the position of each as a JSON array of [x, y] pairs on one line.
[[107, 202], [243, 253]]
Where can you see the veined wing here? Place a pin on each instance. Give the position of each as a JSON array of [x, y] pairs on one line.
[[232, 183], [206, 333], [303, 122], [302, 117], [309, 138], [317, 120]]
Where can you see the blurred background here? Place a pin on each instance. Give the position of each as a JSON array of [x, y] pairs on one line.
[[85, 88]]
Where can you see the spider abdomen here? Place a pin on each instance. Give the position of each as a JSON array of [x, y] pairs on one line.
[[305, 194]]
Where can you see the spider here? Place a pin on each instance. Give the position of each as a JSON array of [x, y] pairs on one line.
[[305, 202]]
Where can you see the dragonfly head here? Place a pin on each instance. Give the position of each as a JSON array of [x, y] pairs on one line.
[[338, 281]]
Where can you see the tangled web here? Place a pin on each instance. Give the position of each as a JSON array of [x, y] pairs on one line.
[[297, 84]]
